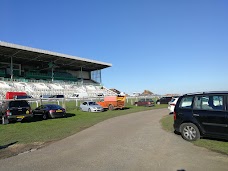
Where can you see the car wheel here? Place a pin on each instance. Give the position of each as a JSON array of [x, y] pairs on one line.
[[136, 104], [110, 107], [44, 116], [89, 110], [158, 103], [189, 131]]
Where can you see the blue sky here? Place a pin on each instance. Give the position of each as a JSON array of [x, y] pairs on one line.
[[165, 46]]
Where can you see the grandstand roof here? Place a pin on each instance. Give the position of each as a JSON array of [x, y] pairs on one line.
[[32, 56]]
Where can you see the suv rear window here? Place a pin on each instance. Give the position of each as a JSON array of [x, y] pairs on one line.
[[18, 104], [186, 102]]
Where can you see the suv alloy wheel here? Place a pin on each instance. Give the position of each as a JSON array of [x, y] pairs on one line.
[[189, 132]]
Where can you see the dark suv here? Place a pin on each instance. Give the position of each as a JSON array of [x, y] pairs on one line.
[[15, 110], [202, 115], [164, 100]]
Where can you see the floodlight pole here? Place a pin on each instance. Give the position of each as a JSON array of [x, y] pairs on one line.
[[81, 75], [11, 65], [100, 77], [11, 68], [52, 74]]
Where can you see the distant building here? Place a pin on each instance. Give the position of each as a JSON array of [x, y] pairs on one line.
[[135, 94]]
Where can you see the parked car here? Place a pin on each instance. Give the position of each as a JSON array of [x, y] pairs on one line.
[[45, 96], [15, 110], [202, 115], [91, 106], [49, 111], [164, 100], [172, 104], [144, 102], [75, 95], [57, 96], [23, 97]]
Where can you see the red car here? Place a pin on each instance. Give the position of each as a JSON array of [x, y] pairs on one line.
[[145, 102]]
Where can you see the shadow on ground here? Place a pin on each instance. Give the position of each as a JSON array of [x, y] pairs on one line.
[[7, 145], [38, 119]]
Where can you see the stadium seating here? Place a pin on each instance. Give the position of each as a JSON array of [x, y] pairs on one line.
[[37, 75], [64, 76], [40, 86], [90, 87], [55, 86], [5, 85], [36, 88], [48, 76], [2, 72]]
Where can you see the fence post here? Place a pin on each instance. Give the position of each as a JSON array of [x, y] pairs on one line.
[[37, 103], [63, 103]]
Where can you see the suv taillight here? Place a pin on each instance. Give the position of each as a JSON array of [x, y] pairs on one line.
[[174, 115], [52, 111], [8, 113]]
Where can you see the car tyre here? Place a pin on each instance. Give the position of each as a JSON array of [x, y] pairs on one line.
[[111, 107], [44, 117], [136, 104], [189, 131]]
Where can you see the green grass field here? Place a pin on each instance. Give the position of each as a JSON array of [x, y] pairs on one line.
[[37, 130], [215, 145]]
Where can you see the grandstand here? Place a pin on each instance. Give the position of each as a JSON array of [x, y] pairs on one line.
[[39, 72]]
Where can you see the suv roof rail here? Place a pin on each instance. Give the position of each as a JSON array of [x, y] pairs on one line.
[[207, 92]]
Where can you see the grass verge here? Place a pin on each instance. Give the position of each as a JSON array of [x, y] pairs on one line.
[[37, 130], [220, 146]]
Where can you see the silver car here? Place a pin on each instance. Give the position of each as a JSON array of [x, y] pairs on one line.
[[90, 106]]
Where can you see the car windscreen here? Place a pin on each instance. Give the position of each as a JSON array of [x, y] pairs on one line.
[[18, 104], [92, 103]]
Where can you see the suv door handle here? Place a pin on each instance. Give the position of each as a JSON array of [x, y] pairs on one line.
[[195, 114]]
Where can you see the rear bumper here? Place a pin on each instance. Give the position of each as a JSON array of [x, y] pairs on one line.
[[57, 115], [176, 126], [171, 108], [15, 117]]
